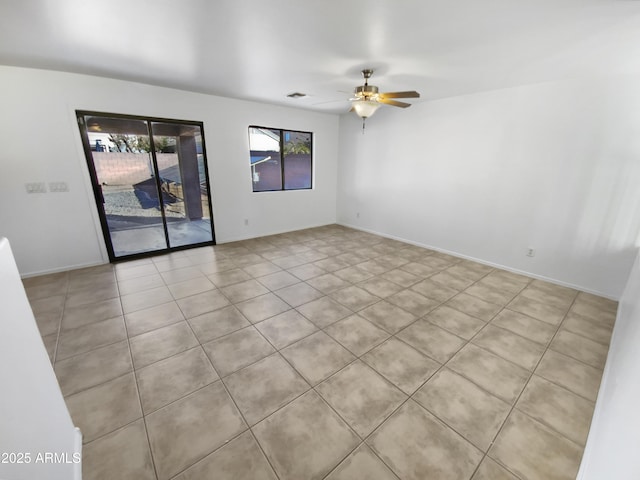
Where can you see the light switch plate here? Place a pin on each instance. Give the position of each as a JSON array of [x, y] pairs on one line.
[[37, 187], [58, 187]]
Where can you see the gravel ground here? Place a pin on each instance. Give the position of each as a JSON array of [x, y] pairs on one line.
[[125, 203]]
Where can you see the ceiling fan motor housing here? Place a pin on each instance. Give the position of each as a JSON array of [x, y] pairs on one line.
[[366, 91]]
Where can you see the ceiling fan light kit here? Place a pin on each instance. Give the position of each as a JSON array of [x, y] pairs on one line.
[[365, 108], [367, 98]]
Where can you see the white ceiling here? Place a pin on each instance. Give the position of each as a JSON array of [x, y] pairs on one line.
[[263, 50]]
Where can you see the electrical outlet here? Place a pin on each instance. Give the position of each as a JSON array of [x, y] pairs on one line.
[[531, 252], [358, 215], [246, 222], [38, 187], [58, 187]]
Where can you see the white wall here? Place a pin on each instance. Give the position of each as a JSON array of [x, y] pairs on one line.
[[612, 446], [40, 142], [34, 419], [553, 166]]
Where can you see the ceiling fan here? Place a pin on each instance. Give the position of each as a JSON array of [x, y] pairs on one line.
[[367, 99]]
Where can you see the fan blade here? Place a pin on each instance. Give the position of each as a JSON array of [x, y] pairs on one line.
[[386, 101], [329, 101], [411, 94]]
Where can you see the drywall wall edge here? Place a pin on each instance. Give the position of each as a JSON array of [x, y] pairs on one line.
[[608, 386], [77, 471]]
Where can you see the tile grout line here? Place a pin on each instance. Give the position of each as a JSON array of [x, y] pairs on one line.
[[391, 335], [484, 453], [135, 378], [231, 397], [311, 388], [524, 388], [249, 428], [408, 397], [362, 442], [54, 359], [184, 396], [278, 351]]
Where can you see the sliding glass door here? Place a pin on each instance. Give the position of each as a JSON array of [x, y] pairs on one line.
[[150, 182]]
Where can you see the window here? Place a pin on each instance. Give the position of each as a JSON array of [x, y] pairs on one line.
[[280, 159]]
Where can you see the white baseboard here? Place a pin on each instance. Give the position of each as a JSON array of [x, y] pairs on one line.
[[62, 269], [484, 262], [220, 241], [385, 235]]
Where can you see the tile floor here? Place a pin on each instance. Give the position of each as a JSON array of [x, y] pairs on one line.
[[326, 353]]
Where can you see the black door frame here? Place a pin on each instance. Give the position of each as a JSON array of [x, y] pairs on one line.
[[97, 188]]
